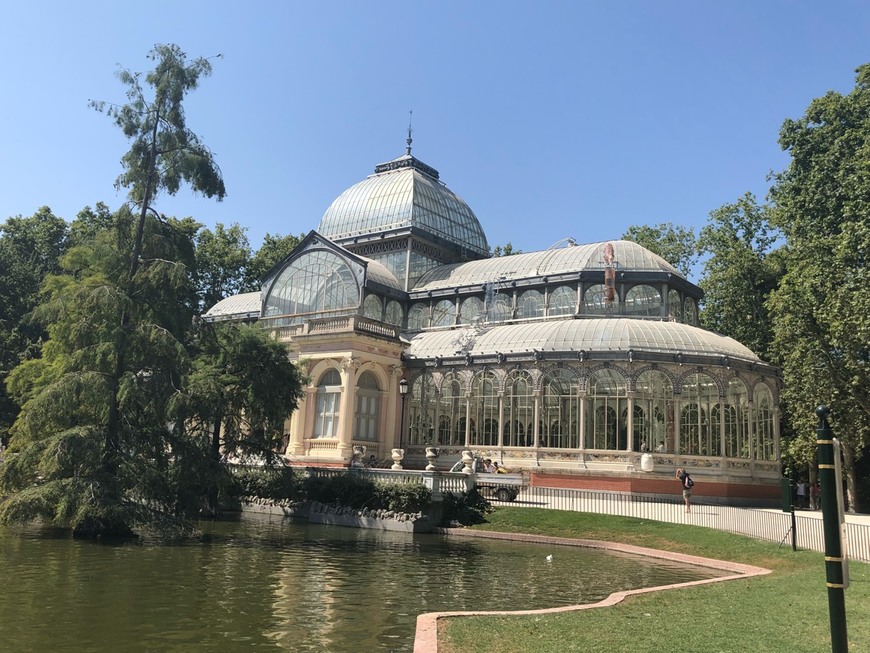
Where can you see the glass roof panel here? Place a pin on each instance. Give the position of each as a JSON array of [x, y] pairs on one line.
[[627, 256], [604, 334]]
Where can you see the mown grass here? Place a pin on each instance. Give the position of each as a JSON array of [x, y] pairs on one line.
[[783, 612]]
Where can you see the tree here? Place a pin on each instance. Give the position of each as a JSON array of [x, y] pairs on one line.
[[821, 309], [94, 451], [30, 249], [222, 258], [507, 250], [273, 250], [677, 245], [241, 390], [740, 273]]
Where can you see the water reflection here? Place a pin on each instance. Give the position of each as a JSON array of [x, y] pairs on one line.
[[269, 584]]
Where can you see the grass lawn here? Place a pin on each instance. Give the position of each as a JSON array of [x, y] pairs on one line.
[[786, 611]]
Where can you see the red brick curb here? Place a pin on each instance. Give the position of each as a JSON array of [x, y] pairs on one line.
[[426, 637]]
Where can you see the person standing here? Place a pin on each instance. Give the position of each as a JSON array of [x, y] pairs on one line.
[[801, 494], [686, 483]]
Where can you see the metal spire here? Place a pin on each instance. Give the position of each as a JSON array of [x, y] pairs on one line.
[[410, 131]]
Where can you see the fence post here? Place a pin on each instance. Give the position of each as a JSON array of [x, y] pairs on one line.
[[833, 544]]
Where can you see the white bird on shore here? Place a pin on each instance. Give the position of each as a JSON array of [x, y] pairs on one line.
[[550, 558]]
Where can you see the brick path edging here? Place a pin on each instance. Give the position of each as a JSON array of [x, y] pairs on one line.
[[426, 636]]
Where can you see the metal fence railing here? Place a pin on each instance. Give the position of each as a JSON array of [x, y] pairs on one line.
[[771, 525]]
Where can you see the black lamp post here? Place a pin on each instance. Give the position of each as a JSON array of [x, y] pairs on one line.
[[403, 391]]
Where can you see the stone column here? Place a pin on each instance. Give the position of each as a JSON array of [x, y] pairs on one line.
[[347, 410]]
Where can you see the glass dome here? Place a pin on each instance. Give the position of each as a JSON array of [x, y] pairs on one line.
[[403, 193]]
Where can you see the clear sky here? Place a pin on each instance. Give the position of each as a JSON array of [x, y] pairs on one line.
[[551, 119]]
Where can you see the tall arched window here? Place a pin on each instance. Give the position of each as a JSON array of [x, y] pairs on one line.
[[563, 301], [607, 397], [765, 435], [368, 408], [736, 420], [328, 405], [675, 306], [499, 307], [451, 412], [484, 410], [699, 425], [561, 410], [654, 402], [393, 313], [690, 311], [421, 411], [530, 304], [519, 410], [643, 300]]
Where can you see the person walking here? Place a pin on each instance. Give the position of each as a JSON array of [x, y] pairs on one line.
[[686, 483], [801, 494]]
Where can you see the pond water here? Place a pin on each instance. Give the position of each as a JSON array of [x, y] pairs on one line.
[[263, 583]]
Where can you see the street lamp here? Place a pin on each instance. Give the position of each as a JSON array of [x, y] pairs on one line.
[[403, 391]]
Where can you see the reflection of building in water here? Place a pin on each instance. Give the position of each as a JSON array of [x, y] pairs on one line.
[[561, 362]]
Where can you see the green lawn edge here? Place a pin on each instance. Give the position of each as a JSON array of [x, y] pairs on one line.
[[785, 611]]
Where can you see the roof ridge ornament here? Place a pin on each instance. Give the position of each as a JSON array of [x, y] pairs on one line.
[[410, 131]]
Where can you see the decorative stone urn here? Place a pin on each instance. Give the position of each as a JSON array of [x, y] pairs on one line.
[[647, 462], [359, 451], [397, 455], [432, 454], [467, 461]]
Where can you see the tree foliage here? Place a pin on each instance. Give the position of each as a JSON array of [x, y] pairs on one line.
[[740, 272], [674, 243], [222, 259], [821, 309], [273, 250]]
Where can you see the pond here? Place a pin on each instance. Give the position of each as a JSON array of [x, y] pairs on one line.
[[267, 584]]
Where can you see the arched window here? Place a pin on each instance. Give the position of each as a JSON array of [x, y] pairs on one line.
[[421, 411], [563, 301], [499, 307], [328, 405], [699, 423], [594, 300], [530, 304], [643, 300], [418, 317], [765, 435], [444, 313], [675, 306], [519, 410], [561, 410], [690, 311], [368, 401], [736, 417], [393, 313], [607, 395], [484, 410], [316, 283], [471, 310], [654, 404], [372, 307], [451, 412]]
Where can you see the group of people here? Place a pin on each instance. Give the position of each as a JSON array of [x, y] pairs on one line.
[[803, 493], [493, 467]]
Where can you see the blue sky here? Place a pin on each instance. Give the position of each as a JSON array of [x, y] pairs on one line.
[[551, 119]]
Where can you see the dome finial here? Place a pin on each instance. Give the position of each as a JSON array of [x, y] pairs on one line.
[[410, 131]]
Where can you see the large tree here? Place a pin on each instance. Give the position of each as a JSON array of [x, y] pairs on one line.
[[740, 271], [92, 436], [676, 244], [222, 259], [821, 309]]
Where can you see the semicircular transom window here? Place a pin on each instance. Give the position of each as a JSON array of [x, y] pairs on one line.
[[443, 313], [643, 300], [372, 307], [317, 282], [530, 304], [471, 311], [562, 301]]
